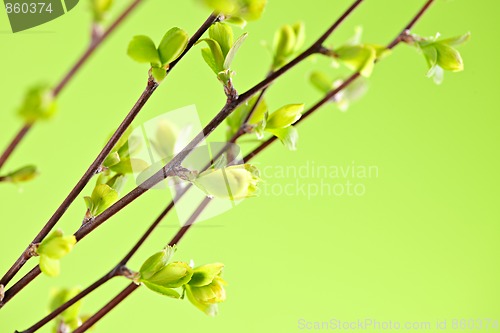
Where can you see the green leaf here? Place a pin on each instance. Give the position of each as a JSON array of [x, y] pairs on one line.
[[360, 58], [232, 52], [204, 275], [117, 182], [222, 34], [210, 309], [431, 55], [162, 290], [172, 45], [142, 49], [321, 81], [289, 136], [455, 41], [56, 245], [159, 74], [449, 58], [102, 198], [49, 266], [285, 116], [237, 21], [23, 174], [130, 165], [131, 147], [283, 45], [172, 275], [206, 53], [156, 262], [38, 104], [300, 35], [111, 159], [218, 58]]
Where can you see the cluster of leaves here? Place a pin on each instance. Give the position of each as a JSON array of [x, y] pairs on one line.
[[441, 54], [54, 247], [117, 165], [203, 285], [71, 318], [142, 49], [222, 49]]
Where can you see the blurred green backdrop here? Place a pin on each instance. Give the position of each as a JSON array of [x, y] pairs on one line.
[[421, 244]]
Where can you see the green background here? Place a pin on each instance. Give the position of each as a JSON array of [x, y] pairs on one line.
[[420, 245]]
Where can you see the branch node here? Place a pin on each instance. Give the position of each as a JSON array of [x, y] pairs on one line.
[[31, 251]]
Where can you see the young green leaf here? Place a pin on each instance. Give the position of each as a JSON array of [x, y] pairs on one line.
[[38, 104], [156, 262], [52, 249], [101, 199], [172, 45], [204, 275], [285, 116], [223, 35], [234, 49], [321, 81], [217, 64], [207, 297], [159, 74], [283, 45], [169, 292], [130, 165], [20, 175], [289, 136], [300, 35], [360, 58], [172, 275], [142, 49]]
